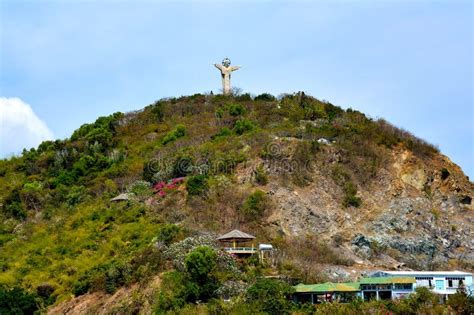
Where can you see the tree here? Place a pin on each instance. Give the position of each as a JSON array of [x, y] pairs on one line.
[[31, 195], [197, 185], [13, 206], [459, 301], [421, 299], [17, 301], [158, 110], [270, 296], [255, 205], [200, 265], [265, 97]]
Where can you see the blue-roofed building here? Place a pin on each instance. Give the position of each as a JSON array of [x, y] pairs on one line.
[[439, 282]]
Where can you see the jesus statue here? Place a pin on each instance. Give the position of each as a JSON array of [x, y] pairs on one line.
[[226, 69]]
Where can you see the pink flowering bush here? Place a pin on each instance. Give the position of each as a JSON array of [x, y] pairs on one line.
[[162, 188]]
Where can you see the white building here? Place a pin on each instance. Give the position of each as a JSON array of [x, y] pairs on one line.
[[439, 282]]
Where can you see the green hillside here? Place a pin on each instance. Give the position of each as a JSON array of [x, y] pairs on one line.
[[189, 165]]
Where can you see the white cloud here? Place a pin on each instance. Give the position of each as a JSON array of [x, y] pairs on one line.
[[20, 127]]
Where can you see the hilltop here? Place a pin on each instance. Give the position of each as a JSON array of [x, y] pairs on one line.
[[336, 192]]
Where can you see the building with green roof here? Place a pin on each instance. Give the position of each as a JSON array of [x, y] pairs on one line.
[[380, 288], [326, 292]]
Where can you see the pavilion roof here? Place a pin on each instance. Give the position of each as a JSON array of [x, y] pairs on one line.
[[235, 234], [122, 197]]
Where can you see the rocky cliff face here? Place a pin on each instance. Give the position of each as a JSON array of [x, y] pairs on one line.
[[415, 213]]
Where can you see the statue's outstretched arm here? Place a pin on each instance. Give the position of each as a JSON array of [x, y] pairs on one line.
[[218, 66], [233, 68]]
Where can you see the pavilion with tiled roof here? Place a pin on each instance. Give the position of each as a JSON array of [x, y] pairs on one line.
[[238, 242]]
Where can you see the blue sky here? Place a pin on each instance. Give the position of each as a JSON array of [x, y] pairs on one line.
[[406, 61]]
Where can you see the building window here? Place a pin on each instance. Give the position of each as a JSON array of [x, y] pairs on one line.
[[384, 287], [406, 286], [455, 282], [424, 281]]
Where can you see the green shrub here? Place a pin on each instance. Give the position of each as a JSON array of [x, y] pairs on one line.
[[101, 130], [178, 132], [332, 111], [343, 179], [224, 132], [89, 164], [265, 97], [419, 146], [254, 206], [303, 156], [387, 134], [146, 263], [243, 97], [81, 286], [117, 275], [236, 110], [175, 292], [350, 198], [197, 185], [243, 125], [421, 300], [100, 135], [168, 233], [17, 301], [313, 108], [16, 210], [75, 195], [461, 303], [260, 175], [157, 111], [65, 178], [45, 292], [270, 296], [13, 206], [220, 112], [226, 162], [107, 276]]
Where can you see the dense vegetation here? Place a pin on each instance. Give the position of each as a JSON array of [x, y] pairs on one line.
[[177, 161]]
